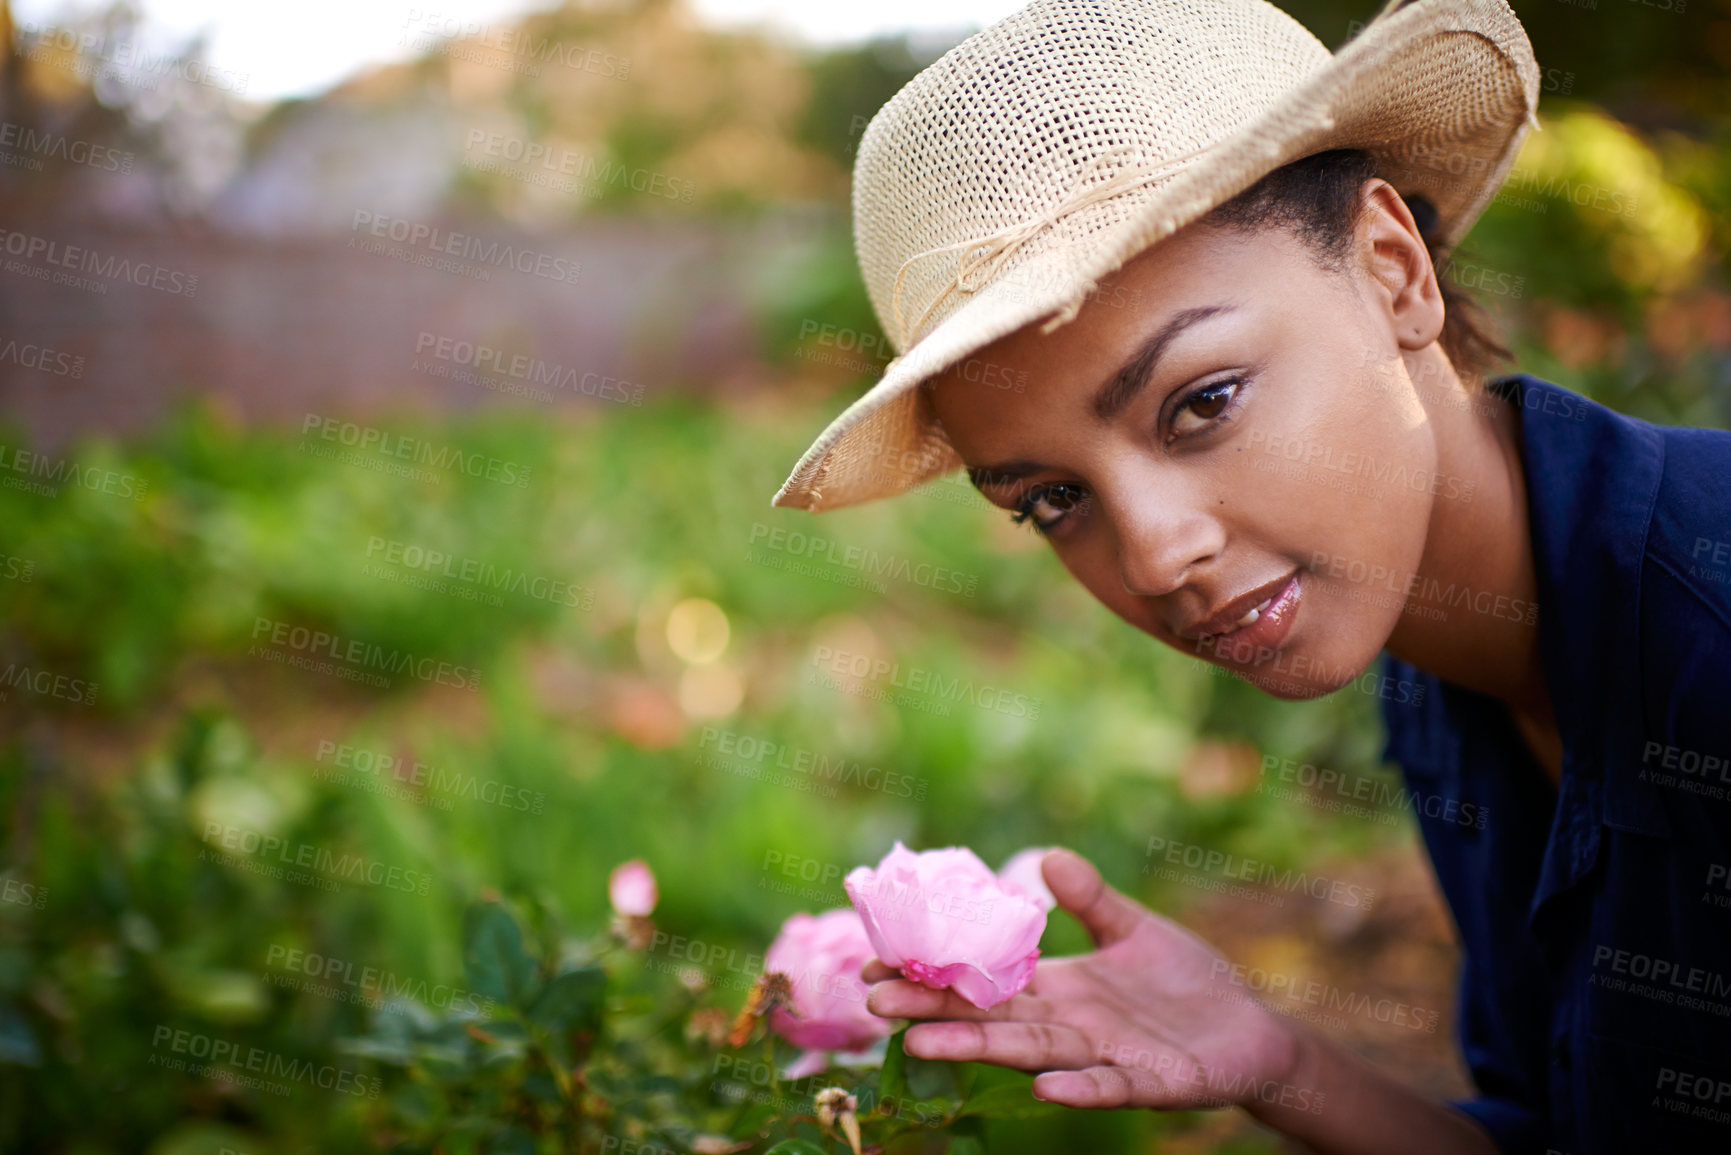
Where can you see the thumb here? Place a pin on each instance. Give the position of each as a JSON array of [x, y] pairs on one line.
[[1107, 915]]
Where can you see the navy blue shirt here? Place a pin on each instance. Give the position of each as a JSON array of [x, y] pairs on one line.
[[1595, 916]]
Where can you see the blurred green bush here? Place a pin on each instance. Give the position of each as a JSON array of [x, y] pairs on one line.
[[132, 815]]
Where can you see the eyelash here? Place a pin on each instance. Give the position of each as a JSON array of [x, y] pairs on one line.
[[1023, 514]]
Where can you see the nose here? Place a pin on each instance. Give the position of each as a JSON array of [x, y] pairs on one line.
[[1162, 537]]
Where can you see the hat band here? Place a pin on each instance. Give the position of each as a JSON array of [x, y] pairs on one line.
[[982, 257]]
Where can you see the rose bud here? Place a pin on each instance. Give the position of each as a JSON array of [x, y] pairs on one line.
[[822, 955], [631, 888], [945, 920]]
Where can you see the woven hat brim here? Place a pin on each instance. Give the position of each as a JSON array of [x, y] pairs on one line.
[[889, 441]]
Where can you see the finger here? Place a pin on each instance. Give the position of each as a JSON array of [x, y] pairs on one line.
[[1102, 1088], [1106, 915], [1025, 1046], [901, 999], [876, 971]]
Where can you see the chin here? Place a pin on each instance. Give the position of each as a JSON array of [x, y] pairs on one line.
[[1299, 674], [1285, 688]]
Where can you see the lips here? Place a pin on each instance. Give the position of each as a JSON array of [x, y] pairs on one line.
[[1238, 613]]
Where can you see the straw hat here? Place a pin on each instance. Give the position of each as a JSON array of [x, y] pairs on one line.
[[1040, 155]]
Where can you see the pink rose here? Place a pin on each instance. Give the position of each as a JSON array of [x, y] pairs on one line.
[[1023, 869], [631, 888], [822, 955], [945, 920]]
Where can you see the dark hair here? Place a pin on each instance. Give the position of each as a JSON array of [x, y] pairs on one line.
[[1317, 199]]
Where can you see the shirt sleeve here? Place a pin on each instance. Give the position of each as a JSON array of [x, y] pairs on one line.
[[1507, 1106]]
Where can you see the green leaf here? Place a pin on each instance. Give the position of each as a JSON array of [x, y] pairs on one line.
[[933, 1078], [513, 1140], [796, 1147], [966, 1145], [571, 1000], [893, 1076], [493, 957], [17, 1041], [540, 1085], [1008, 1101]]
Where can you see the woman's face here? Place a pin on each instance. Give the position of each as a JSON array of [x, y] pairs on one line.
[[1209, 433]]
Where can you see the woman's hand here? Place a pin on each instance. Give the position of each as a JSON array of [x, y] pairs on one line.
[[1149, 1019]]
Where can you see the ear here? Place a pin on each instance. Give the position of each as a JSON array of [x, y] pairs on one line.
[[1393, 255]]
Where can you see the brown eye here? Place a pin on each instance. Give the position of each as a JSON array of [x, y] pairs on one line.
[[1206, 404], [1045, 506]]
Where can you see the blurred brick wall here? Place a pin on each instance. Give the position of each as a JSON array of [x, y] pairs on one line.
[[277, 329]]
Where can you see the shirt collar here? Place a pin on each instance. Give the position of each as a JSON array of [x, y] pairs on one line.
[[1592, 479]]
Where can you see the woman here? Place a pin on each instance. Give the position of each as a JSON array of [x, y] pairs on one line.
[[1254, 428]]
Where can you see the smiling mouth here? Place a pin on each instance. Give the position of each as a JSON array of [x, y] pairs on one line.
[[1255, 612], [1214, 627], [1260, 632]]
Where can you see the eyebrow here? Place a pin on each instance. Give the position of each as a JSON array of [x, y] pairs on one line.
[[1114, 396], [1122, 389]]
